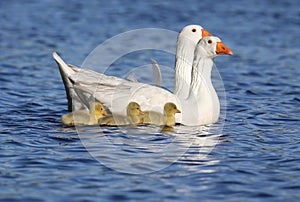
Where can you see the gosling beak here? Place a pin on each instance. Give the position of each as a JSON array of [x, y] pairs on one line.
[[177, 111], [141, 112], [205, 33], [222, 49], [104, 113]]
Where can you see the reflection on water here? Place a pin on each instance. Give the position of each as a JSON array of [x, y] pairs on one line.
[[147, 148]]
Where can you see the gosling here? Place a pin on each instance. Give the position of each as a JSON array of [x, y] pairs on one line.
[[83, 117], [165, 119], [133, 116]]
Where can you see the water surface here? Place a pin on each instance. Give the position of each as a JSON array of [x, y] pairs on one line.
[[257, 155]]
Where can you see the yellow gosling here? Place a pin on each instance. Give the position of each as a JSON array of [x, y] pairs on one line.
[[83, 117], [133, 116], [166, 119]]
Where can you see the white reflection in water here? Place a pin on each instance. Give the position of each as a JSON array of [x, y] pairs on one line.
[[147, 149]]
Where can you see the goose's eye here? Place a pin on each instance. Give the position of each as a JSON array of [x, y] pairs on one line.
[[194, 30], [209, 41]]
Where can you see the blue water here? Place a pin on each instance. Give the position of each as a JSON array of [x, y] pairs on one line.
[[257, 156]]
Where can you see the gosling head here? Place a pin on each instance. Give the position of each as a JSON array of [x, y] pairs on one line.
[[134, 109], [171, 109], [99, 109]]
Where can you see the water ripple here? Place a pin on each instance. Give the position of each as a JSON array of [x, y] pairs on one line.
[[254, 158]]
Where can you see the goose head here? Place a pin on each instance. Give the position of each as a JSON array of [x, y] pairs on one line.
[[211, 46], [193, 33]]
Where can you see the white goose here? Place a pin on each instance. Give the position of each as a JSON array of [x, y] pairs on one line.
[[186, 43], [202, 104], [116, 93]]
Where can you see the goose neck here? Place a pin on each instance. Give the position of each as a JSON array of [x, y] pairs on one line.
[[183, 66]]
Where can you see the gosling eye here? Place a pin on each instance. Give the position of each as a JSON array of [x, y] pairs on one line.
[[194, 30], [209, 41]]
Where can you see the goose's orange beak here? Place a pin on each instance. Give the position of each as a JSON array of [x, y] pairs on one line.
[[222, 49], [177, 111], [141, 112], [104, 113], [205, 33]]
